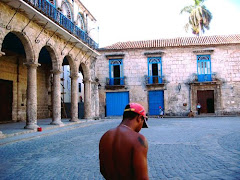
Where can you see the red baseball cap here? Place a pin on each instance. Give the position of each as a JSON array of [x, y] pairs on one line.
[[139, 109]]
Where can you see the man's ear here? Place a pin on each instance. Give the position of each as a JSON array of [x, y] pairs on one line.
[[138, 118]]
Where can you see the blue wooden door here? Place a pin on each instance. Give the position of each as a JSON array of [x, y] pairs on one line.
[[116, 102], [156, 99]]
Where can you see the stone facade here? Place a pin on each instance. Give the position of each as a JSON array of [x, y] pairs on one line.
[[179, 70], [36, 79]]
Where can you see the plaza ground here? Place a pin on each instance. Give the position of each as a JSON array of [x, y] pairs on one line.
[[179, 148]]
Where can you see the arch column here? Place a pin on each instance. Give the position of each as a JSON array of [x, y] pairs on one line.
[[87, 99], [74, 98], [2, 53], [95, 91], [56, 103], [31, 122]]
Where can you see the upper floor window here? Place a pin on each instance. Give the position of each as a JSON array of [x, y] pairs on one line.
[[66, 10], [154, 70], [204, 68], [116, 72], [80, 22]]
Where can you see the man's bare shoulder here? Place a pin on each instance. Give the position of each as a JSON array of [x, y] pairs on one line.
[[141, 142], [108, 134]]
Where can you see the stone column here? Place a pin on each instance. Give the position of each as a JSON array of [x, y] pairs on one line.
[[2, 53], [31, 122], [74, 98], [56, 103], [96, 100], [87, 99]]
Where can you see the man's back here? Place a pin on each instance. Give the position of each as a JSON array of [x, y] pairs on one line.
[[123, 154]]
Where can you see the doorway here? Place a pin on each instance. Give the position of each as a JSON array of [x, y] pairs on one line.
[[6, 92], [116, 102], [156, 99], [206, 99]]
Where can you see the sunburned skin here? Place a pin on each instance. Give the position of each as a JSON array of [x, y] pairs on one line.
[[143, 143], [123, 154]]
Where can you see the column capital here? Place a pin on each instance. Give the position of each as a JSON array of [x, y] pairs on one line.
[[74, 76], [56, 71], [86, 80], [32, 64], [2, 53]]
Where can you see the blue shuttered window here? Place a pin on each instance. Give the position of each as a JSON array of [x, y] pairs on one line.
[[204, 68], [154, 70], [116, 72]]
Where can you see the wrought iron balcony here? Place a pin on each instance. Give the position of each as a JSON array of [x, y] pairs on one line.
[[51, 12], [154, 79], [115, 83], [204, 77]]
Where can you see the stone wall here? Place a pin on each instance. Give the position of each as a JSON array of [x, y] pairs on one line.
[[179, 66], [34, 36], [17, 74]]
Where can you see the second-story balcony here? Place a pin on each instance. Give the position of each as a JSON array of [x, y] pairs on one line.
[[40, 11], [154, 80], [115, 83], [49, 10], [204, 77]]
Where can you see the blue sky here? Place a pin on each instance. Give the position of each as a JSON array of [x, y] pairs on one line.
[[131, 20]]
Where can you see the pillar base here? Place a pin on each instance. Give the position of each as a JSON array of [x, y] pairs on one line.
[[31, 126], [97, 118], [2, 135], [74, 120], [59, 123]]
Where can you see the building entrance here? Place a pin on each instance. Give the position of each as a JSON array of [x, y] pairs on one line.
[[6, 93], [206, 99]]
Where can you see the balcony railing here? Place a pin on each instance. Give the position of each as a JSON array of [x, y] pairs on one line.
[[155, 79], [115, 81], [204, 77], [50, 11]]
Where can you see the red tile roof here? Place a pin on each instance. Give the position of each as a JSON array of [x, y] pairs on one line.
[[176, 42]]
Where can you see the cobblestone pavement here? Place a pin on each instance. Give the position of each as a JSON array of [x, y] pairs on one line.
[[179, 148]]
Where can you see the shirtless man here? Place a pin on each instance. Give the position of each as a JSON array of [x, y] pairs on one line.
[[122, 150]]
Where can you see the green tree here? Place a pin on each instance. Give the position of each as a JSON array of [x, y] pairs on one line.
[[199, 17]]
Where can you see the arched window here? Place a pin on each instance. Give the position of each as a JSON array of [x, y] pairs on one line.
[[116, 72], [66, 10], [154, 70], [204, 68], [80, 22]]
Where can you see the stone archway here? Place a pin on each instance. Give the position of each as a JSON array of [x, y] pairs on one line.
[[70, 88], [47, 58], [25, 97], [84, 69]]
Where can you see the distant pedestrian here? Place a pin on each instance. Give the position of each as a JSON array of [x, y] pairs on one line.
[[161, 112], [190, 114], [199, 108]]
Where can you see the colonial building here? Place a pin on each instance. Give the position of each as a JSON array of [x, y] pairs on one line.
[[38, 38], [175, 74]]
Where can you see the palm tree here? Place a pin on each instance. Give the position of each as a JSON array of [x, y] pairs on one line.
[[199, 17]]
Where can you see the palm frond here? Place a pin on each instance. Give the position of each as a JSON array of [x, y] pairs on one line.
[[199, 17], [187, 9]]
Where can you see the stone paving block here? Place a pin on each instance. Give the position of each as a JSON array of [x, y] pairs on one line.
[[178, 149]]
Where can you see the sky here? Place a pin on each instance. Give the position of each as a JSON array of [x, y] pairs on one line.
[[133, 20]]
